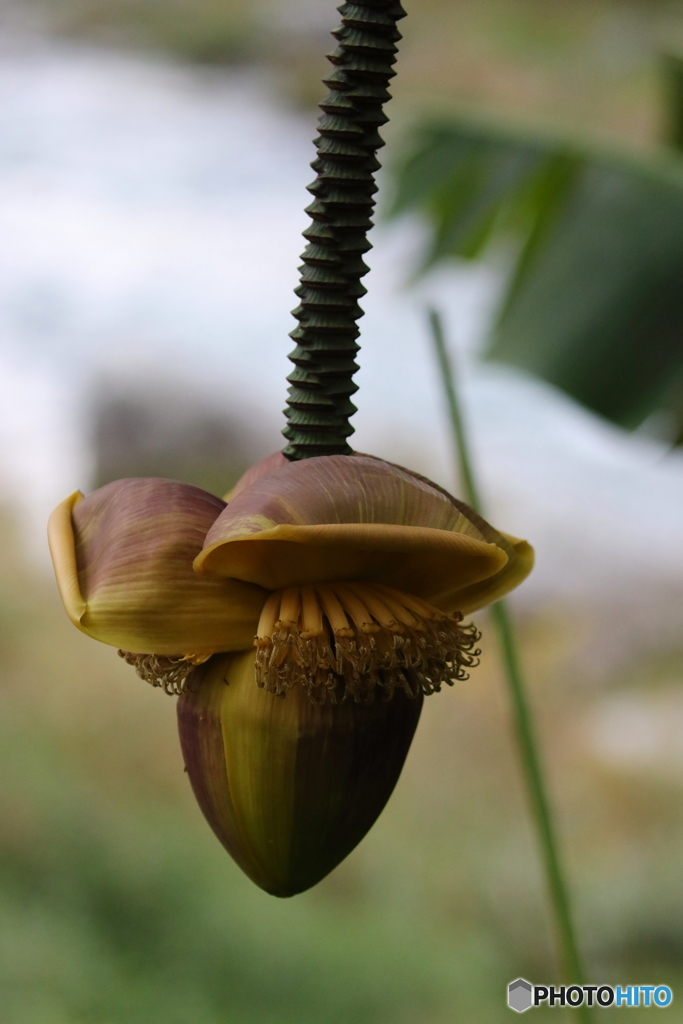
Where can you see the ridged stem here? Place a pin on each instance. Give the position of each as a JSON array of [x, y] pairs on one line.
[[319, 405], [525, 732]]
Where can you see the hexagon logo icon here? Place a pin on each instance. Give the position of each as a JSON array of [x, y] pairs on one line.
[[520, 995]]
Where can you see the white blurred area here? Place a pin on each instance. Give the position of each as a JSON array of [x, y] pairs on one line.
[[150, 227]]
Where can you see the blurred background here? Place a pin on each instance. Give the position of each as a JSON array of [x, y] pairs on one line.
[[153, 163]]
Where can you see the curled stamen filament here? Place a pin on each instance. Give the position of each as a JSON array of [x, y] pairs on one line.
[[171, 674]]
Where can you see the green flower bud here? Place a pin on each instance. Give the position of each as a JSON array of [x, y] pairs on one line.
[[289, 786]]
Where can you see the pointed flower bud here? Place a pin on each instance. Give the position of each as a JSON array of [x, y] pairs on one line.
[[289, 787]]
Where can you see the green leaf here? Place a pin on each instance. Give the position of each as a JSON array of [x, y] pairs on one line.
[[594, 302], [599, 309]]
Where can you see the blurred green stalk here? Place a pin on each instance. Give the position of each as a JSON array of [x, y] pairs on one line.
[[523, 719]]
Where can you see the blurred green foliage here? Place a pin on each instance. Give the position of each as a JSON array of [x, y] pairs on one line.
[[594, 300], [583, 64], [206, 31]]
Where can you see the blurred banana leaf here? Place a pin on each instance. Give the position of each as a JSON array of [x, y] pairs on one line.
[[594, 299]]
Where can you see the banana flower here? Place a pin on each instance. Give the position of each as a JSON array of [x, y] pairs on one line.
[[328, 594]]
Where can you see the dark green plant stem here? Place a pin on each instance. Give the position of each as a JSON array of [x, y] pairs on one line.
[[319, 405], [522, 716], [671, 65]]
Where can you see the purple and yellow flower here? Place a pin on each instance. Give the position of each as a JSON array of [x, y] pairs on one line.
[[336, 584]]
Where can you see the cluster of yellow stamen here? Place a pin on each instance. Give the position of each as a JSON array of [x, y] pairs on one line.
[[341, 640]]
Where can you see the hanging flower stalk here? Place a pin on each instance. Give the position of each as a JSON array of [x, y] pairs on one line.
[[319, 405], [302, 622]]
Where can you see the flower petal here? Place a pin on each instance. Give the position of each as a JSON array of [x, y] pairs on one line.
[[123, 559], [356, 518]]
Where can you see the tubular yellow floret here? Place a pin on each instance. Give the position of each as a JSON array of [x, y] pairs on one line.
[[348, 642], [334, 613], [354, 606], [269, 616], [289, 608], [378, 609], [312, 614]]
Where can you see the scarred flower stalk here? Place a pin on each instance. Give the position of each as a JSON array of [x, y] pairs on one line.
[[319, 405]]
